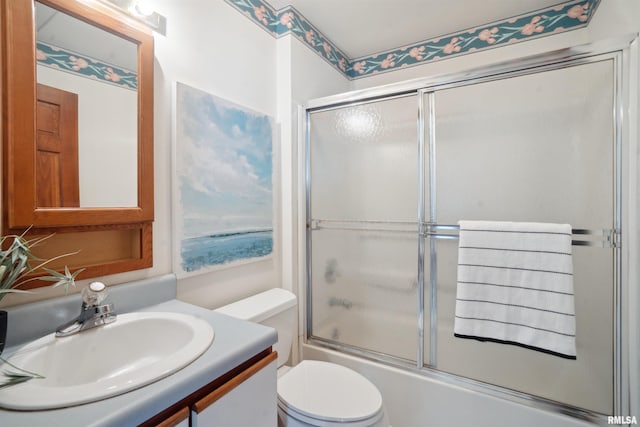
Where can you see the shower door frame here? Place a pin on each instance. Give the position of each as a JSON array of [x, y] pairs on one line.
[[617, 50]]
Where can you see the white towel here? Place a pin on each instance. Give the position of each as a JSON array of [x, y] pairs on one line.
[[515, 285]]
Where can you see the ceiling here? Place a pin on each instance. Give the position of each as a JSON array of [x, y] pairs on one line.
[[364, 27]]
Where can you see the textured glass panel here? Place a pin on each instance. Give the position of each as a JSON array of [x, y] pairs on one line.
[[364, 290], [586, 382], [362, 158], [532, 148]]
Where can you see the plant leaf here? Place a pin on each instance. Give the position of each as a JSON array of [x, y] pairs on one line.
[[17, 263], [14, 291], [14, 378], [65, 279]]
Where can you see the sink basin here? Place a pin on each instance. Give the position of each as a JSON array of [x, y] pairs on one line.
[[135, 350]]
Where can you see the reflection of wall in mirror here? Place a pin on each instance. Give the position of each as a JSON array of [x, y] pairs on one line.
[[108, 148]]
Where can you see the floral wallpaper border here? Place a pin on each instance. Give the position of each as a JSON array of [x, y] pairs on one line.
[[565, 16], [60, 59], [290, 21]]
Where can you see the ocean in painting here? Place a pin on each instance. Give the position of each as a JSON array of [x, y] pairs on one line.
[[221, 248]]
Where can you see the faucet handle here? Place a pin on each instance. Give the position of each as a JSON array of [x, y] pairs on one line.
[[94, 294]]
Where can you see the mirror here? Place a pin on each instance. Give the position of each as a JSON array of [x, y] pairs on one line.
[[112, 180], [86, 114], [111, 195]]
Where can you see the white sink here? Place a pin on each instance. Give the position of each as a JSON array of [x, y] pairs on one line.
[[135, 350]]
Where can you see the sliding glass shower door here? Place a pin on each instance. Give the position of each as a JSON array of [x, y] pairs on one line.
[[538, 148], [364, 170], [388, 179]]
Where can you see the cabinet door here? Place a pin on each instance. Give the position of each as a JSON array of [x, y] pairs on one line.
[[249, 399], [179, 419]]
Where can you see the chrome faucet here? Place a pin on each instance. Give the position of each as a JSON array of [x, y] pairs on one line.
[[92, 313]]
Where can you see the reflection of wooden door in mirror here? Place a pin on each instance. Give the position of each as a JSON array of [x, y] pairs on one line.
[[57, 148]]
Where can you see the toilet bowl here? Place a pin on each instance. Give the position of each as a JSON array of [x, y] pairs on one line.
[[312, 393], [315, 393]]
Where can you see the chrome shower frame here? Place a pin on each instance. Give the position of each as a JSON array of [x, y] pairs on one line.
[[616, 50]]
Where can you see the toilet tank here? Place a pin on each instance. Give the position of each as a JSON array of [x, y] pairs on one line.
[[275, 308]]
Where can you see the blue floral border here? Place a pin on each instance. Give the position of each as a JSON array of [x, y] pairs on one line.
[[560, 18], [290, 21], [260, 12], [60, 59], [566, 16]]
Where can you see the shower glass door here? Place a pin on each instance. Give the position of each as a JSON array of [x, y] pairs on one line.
[[389, 178], [363, 228], [538, 148]]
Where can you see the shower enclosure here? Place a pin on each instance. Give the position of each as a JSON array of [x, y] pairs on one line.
[[391, 171]]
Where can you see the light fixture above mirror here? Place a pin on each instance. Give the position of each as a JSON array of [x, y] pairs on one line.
[[143, 11]]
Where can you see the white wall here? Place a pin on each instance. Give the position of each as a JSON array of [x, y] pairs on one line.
[[313, 77], [301, 75], [107, 138], [211, 47]]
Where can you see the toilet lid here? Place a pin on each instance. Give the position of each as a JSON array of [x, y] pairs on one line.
[[327, 391]]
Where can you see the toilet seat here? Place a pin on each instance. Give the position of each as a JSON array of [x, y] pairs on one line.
[[326, 394]]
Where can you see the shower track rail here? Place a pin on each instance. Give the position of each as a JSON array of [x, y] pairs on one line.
[[601, 238]]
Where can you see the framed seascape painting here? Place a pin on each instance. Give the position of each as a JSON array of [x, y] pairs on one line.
[[223, 210]]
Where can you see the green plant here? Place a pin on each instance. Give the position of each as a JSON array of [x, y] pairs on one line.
[[18, 264], [17, 376]]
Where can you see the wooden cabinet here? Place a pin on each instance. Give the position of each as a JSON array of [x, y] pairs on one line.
[[244, 396], [178, 419]]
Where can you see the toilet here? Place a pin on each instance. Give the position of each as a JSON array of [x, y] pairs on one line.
[[312, 393]]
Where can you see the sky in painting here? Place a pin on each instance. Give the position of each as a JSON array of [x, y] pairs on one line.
[[224, 165]]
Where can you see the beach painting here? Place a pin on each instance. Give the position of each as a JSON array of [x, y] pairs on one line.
[[223, 162]]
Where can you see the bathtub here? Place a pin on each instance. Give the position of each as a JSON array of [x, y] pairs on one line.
[[420, 398], [417, 400]]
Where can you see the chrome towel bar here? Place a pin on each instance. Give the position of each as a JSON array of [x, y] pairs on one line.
[[605, 238]]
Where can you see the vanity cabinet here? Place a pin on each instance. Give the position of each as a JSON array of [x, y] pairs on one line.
[[250, 399], [178, 419], [244, 396]]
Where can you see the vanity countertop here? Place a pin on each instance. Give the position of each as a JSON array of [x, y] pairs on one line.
[[235, 341]]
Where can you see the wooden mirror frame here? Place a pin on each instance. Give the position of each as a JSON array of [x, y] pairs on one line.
[[19, 208]]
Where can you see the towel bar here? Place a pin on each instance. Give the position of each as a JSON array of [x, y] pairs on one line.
[[605, 238]]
